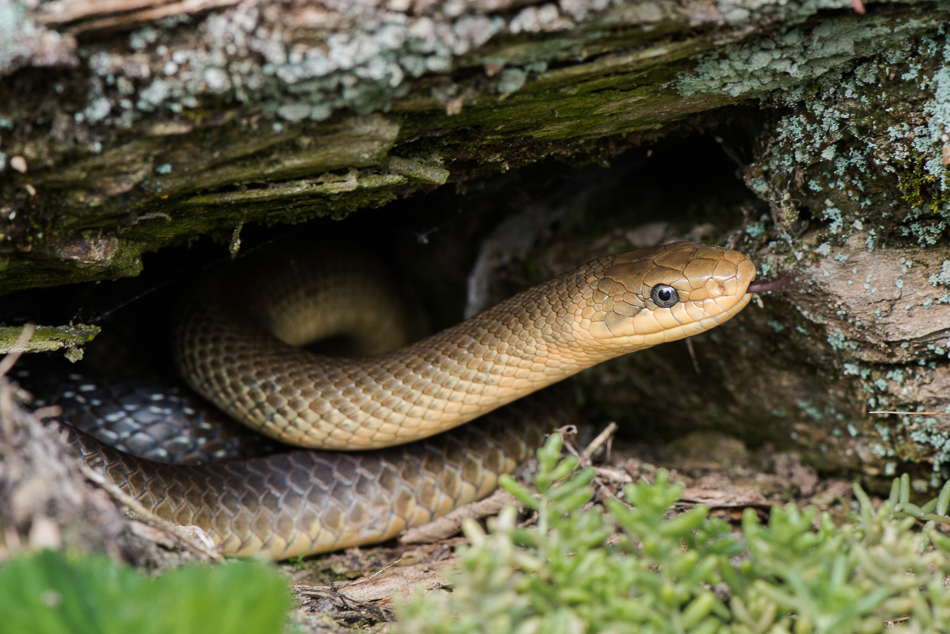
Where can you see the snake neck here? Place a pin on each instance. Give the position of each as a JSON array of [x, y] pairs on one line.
[[596, 312], [524, 343]]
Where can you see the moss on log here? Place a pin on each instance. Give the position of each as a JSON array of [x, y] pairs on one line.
[[128, 129]]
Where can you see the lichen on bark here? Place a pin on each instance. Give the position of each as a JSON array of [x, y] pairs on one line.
[[151, 126], [855, 171]]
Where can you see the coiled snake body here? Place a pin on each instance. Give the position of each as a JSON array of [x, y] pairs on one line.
[[243, 358]]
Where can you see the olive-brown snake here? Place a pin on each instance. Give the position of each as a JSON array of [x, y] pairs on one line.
[[244, 359]]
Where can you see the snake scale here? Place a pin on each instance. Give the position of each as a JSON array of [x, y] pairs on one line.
[[386, 444]]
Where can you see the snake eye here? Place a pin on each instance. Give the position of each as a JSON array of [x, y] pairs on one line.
[[664, 296]]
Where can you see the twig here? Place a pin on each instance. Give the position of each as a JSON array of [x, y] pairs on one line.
[[330, 588], [369, 594], [378, 572], [444, 527], [595, 444], [692, 354]]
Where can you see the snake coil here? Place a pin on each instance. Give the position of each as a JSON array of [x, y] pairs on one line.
[[401, 453]]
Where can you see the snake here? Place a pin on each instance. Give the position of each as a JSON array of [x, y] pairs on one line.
[[392, 439]]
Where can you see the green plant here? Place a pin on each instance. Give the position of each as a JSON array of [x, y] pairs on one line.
[[576, 572], [52, 593]]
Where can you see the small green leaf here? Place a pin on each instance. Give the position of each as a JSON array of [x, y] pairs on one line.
[[550, 453], [698, 609], [943, 500], [523, 495]]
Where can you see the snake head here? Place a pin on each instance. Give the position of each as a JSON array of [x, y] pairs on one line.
[[667, 292]]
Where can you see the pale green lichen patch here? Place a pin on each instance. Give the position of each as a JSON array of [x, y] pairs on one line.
[[25, 43], [790, 58], [858, 135], [943, 277], [905, 436]]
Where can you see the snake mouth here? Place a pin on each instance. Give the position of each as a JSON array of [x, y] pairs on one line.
[[763, 286]]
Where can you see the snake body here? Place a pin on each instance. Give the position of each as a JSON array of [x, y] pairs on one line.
[[243, 358], [312, 501], [538, 337]]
